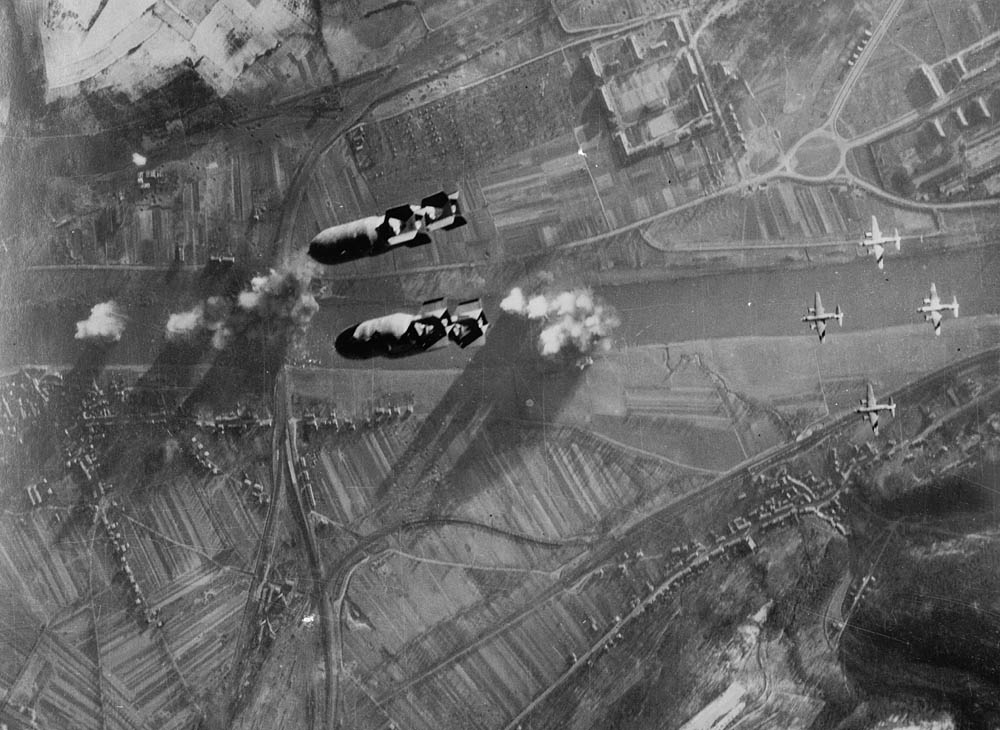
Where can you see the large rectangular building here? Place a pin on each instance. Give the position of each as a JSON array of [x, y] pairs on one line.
[[652, 89]]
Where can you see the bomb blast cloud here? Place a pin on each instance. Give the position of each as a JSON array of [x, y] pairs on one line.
[[212, 315], [183, 324], [274, 304], [106, 322], [573, 319]]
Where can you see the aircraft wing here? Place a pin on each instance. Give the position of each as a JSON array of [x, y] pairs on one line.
[[935, 299], [439, 199], [876, 233], [873, 420], [821, 329], [871, 395], [936, 321], [400, 213], [879, 253], [818, 305]]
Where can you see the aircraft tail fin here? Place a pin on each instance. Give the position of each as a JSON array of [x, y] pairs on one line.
[[445, 212], [459, 220], [400, 213], [896, 240], [439, 199], [457, 223], [471, 308], [839, 314], [469, 323], [954, 305], [436, 308]]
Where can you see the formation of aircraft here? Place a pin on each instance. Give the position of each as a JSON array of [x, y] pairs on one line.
[[401, 334], [932, 308], [817, 317], [874, 239], [870, 408], [404, 225]]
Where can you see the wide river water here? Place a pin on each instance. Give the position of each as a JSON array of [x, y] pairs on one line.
[[761, 303]]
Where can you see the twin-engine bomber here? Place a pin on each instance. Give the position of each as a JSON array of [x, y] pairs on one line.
[[401, 334], [817, 317], [404, 225]]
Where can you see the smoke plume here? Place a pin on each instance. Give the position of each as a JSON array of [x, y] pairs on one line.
[[573, 319], [274, 305], [105, 322], [183, 324], [210, 316]]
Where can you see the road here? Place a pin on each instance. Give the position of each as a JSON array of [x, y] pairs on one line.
[[878, 33], [244, 646], [289, 460]]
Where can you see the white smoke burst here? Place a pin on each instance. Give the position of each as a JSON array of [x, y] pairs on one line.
[[210, 316], [277, 303], [573, 319], [183, 324], [106, 322]]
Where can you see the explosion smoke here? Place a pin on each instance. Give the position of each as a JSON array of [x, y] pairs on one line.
[[105, 322], [277, 303], [210, 316], [573, 319], [183, 324]]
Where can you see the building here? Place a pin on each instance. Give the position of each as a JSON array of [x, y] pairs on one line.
[[652, 90], [982, 156]]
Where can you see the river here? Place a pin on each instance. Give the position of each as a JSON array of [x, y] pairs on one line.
[[756, 303]]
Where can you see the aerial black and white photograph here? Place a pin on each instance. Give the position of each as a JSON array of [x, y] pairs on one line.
[[499, 364]]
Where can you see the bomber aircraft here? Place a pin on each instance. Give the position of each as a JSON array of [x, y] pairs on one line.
[[817, 317], [932, 308], [870, 407], [875, 238]]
